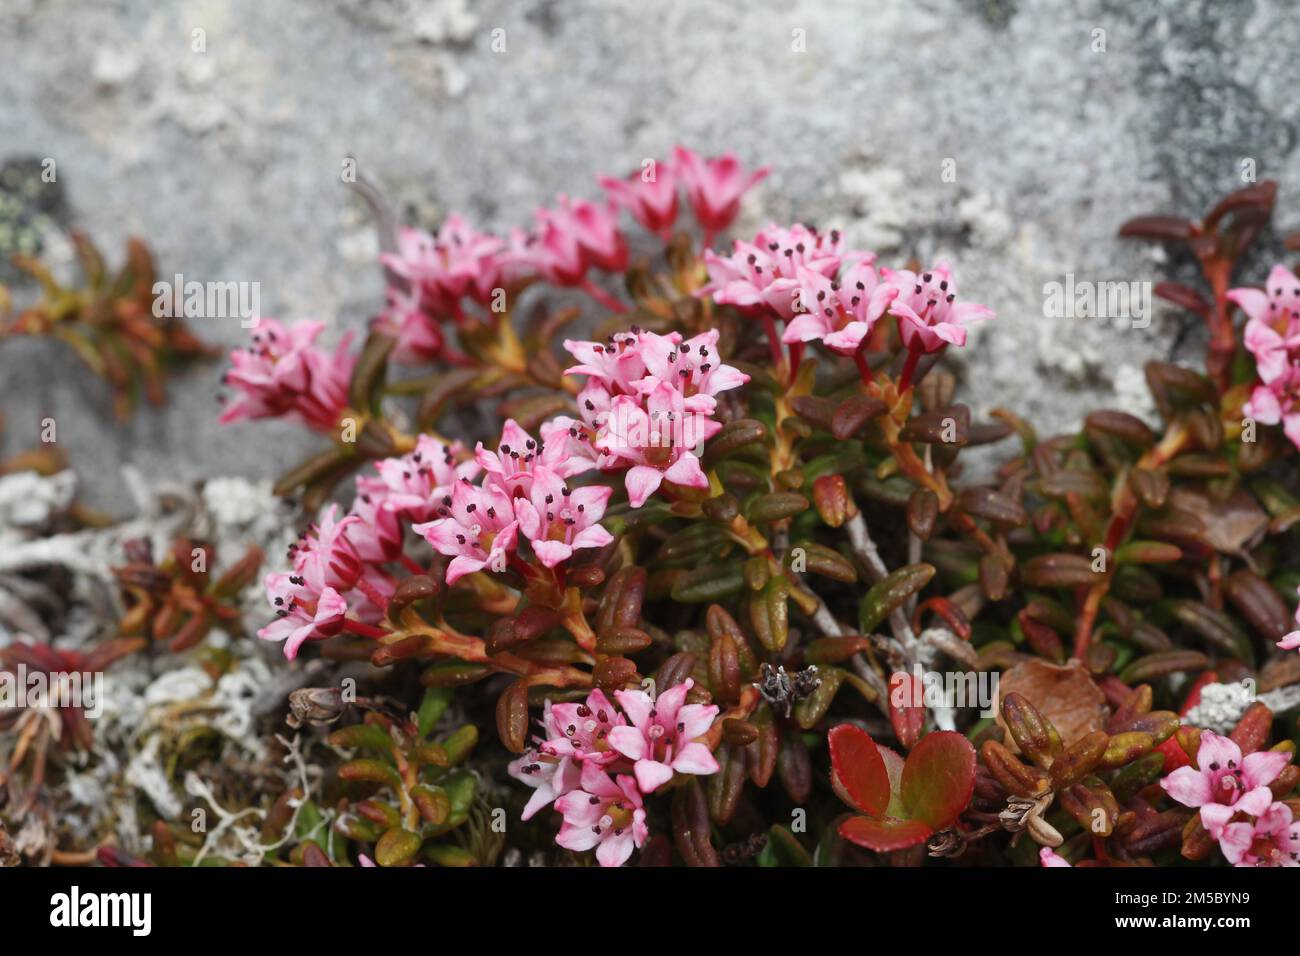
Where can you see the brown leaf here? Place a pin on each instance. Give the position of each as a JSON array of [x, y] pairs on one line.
[[1230, 525], [1064, 695]]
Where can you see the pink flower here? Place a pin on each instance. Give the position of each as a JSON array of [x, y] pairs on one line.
[[460, 261], [412, 485], [558, 520], [283, 373], [303, 614], [765, 274], [1273, 839], [652, 202], [662, 738], [656, 440], [549, 775], [570, 239], [693, 368], [1049, 857], [1273, 329], [840, 313], [617, 363], [566, 445], [1278, 402], [1275, 352], [714, 188], [605, 813], [929, 316], [581, 731], [377, 534], [1226, 783], [517, 455], [325, 556], [478, 531], [419, 337]]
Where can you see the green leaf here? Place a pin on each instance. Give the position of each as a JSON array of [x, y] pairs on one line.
[[432, 707], [397, 847], [890, 592]]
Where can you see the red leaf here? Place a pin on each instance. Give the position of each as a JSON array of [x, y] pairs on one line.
[[857, 769], [938, 778], [907, 707], [884, 835], [1175, 756]]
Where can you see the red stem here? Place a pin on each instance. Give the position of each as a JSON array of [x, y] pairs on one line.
[[773, 341], [363, 629], [601, 296], [864, 370], [909, 369]]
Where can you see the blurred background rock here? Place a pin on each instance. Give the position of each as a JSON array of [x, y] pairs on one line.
[[228, 160]]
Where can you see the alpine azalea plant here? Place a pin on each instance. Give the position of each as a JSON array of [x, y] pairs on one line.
[[691, 572]]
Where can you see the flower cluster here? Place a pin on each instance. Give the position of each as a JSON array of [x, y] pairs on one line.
[[647, 406], [434, 275], [285, 374], [596, 762], [1272, 335], [328, 577], [828, 293], [1236, 806], [827, 538], [523, 491]]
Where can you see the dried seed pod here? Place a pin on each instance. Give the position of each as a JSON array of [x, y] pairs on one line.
[[1044, 833]]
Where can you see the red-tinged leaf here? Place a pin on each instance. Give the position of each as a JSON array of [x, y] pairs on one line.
[[938, 778], [857, 769], [1183, 295], [884, 835], [907, 707], [1194, 695], [1158, 227], [1175, 756]]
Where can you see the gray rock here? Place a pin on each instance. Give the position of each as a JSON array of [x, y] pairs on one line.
[[228, 160]]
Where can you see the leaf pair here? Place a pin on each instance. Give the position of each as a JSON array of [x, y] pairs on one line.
[[902, 803]]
